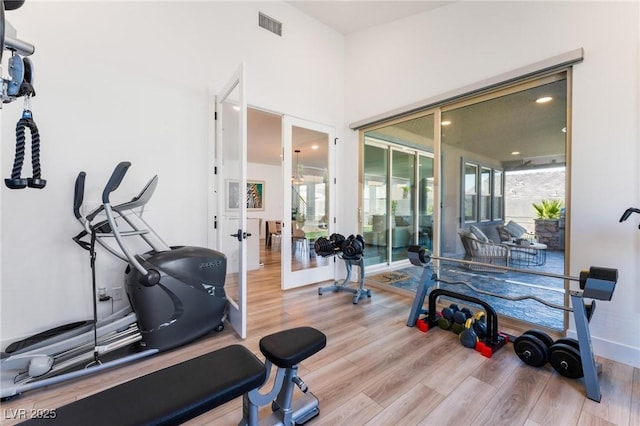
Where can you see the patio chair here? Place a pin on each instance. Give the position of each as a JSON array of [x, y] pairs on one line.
[[514, 231], [481, 251]]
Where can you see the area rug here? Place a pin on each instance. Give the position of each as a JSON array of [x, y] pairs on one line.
[[510, 284], [390, 277]]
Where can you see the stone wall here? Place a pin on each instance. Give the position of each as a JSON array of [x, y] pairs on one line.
[[548, 232]]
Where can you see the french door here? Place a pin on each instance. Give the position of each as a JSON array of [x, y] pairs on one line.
[[309, 200], [230, 221]]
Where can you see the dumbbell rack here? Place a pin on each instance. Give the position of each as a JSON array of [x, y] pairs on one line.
[[493, 341], [358, 292], [597, 283]]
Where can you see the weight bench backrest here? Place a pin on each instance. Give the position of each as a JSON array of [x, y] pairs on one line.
[[169, 396]]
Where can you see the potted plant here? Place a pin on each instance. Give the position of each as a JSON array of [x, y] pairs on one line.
[[547, 220], [405, 192], [548, 209]]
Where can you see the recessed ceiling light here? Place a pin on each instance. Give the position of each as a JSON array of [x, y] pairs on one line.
[[446, 122], [544, 99], [515, 153], [314, 146]]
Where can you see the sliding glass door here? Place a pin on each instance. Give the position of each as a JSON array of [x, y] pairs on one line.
[[398, 179], [474, 176]]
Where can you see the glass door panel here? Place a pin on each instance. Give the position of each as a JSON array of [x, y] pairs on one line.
[[308, 201], [502, 153], [425, 201], [398, 188], [402, 203], [374, 207]]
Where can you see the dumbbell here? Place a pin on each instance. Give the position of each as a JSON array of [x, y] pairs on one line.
[[459, 320], [533, 347], [446, 320]]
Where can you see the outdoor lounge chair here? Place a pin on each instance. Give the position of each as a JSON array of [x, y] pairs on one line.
[[514, 231], [479, 250]]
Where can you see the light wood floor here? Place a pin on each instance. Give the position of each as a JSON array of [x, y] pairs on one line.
[[377, 371]]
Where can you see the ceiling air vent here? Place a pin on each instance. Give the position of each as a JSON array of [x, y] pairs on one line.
[[269, 24]]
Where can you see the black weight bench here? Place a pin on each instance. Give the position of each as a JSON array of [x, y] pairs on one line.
[[180, 392]]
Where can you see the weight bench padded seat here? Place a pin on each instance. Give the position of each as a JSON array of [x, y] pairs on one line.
[[169, 396], [289, 347]]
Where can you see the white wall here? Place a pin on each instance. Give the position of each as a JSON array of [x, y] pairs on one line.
[[132, 81], [273, 193], [425, 55]]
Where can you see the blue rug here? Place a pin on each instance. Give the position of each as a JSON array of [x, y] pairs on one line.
[[512, 284]]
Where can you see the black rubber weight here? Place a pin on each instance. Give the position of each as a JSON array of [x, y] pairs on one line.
[[531, 350]]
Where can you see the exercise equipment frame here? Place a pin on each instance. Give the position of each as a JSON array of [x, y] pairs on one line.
[[358, 292], [598, 284]]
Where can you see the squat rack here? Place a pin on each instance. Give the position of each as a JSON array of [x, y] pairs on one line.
[[596, 283]]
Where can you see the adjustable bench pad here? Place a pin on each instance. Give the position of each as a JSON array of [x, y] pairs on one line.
[[169, 396]]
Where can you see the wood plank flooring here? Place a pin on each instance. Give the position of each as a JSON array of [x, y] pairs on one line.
[[377, 371]]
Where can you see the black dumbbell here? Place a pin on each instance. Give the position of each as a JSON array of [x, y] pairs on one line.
[[446, 320], [460, 318]]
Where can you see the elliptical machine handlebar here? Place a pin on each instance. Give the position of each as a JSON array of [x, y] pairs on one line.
[[115, 180], [78, 194], [628, 213]]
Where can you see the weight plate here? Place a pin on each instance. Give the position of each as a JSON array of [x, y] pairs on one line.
[[569, 341], [566, 360], [531, 350], [544, 337]]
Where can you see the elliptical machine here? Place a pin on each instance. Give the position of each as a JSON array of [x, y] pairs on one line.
[[177, 294]]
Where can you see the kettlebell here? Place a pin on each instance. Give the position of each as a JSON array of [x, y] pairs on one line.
[[468, 337], [480, 325]]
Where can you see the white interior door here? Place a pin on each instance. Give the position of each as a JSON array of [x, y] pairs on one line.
[[309, 158], [231, 194]]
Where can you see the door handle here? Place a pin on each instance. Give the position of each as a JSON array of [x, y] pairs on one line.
[[241, 235]]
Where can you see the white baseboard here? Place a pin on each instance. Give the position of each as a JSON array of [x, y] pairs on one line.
[[612, 350]]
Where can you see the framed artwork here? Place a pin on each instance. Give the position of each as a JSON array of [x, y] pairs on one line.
[[254, 195]]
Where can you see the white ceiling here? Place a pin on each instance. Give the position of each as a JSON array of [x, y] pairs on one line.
[[348, 17]]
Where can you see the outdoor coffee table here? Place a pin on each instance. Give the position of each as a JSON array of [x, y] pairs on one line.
[[527, 253]]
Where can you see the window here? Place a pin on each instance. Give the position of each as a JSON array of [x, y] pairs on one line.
[[482, 189], [498, 204], [470, 191]]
